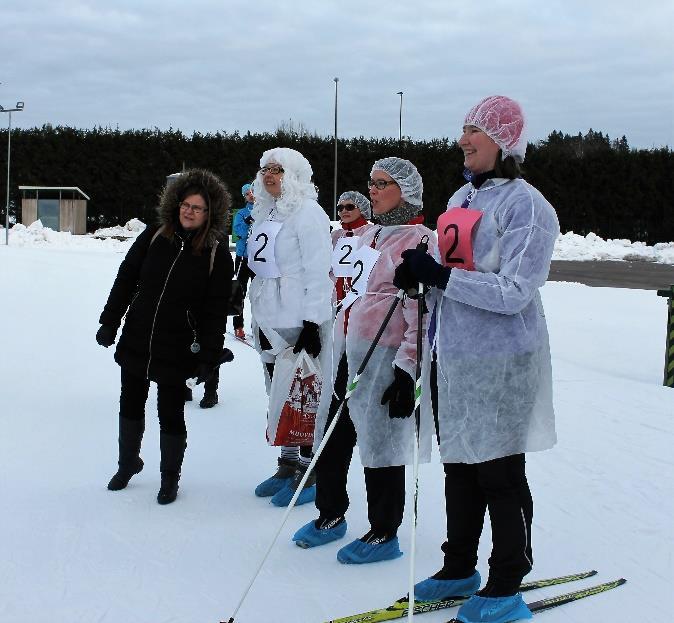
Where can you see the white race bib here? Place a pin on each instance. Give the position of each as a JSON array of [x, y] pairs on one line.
[[363, 262], [261, 246], [342, 256]]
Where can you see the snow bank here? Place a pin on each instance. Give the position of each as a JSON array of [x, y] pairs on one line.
[[571, 246], [130, 230], [37, 235]]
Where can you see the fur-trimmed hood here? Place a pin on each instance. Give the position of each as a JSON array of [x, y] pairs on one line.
[[218, 198]]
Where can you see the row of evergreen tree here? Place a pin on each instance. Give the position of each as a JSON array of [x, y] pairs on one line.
[[595, 184]]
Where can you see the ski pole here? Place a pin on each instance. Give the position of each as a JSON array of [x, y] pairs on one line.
[[422, 246], [351, 388]]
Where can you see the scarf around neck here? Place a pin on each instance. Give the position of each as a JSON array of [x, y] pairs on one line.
[[359, 222], [401, 215]]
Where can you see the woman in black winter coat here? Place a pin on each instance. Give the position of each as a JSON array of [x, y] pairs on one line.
[[172, 288]]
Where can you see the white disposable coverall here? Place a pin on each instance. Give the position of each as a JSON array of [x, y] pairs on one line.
[[279, 305], [494, 372]]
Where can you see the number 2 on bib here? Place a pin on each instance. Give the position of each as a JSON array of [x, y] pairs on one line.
[[261, 249], [342, 256], [258, 256], [455, 237]]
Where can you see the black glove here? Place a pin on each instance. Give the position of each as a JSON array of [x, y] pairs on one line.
[[403, 279], [399, 395], [424, 268], [206, 370], [248, 220], [226, 356], [106, 334], [309, 339]]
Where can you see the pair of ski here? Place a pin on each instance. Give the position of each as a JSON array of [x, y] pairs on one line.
[[400, 608], [248, 340]]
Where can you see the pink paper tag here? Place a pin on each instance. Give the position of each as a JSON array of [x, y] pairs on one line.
[[455, 237]]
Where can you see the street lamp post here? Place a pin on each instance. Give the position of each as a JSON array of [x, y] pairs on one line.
[[400, 117], [18, 107], [334, 198]]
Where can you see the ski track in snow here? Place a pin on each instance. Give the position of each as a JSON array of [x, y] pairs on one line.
[[74, 552]]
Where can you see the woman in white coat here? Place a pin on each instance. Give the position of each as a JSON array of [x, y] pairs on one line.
[[494, 379], [378, 413], [289, 250]]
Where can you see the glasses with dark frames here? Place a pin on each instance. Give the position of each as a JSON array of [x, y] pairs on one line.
[[272, 170], [347, 206], [197, 209], [380, 184]]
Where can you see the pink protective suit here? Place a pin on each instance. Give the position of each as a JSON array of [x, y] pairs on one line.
[[384, 441]]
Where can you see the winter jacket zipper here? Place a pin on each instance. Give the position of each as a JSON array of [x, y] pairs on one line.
[[133, 300], [156, 311]]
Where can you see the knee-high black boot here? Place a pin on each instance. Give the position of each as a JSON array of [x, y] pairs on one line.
[[172, 453], [130, 463]]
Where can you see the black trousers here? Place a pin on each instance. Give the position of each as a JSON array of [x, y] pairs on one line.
[[243, 275], [170, 403], [501, 487], [211, 385], [385, 486]]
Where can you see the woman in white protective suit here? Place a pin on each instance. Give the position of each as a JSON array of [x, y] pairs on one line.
[[378, 413], [494, 378], [289, 250]]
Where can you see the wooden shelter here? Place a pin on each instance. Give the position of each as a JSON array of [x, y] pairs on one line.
[[61, 208]]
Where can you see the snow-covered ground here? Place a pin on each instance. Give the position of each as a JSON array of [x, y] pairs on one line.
[[569, 246], [73, 552]]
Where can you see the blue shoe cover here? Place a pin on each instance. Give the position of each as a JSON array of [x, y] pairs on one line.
[[283, 497], [311, 536], [358, 552], [437, 590], [271, 486], [493, 609]]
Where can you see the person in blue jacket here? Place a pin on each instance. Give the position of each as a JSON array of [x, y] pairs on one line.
[[240, 228]]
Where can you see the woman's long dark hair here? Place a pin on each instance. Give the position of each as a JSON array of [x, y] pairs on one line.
[[507, 168]]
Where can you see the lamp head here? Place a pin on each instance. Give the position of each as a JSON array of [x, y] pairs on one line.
[[19, 105]]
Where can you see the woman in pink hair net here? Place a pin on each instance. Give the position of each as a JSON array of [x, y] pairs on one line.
[[492, 360]]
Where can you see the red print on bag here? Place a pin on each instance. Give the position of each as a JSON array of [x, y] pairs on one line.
[[298, 415]]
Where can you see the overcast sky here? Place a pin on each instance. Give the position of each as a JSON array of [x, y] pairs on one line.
[[249, 65]]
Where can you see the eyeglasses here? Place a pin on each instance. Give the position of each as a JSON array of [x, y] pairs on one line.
[[183, 205], [347, 206], [380, 184], [272, 170]]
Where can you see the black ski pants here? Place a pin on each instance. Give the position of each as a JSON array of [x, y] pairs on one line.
[[170, 403], [385, 486], [501, 487]]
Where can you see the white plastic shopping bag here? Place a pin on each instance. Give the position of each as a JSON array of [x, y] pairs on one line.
[[294, 397]]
